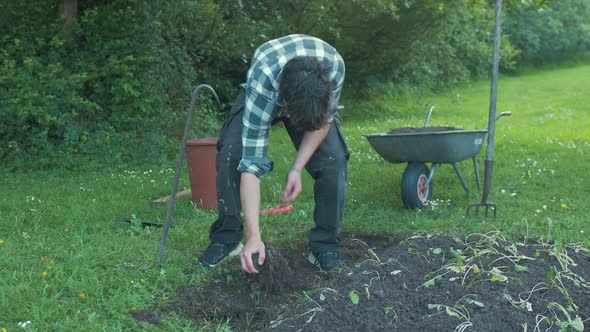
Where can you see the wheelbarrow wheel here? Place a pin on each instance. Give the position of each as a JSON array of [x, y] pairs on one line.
[[416, 190]]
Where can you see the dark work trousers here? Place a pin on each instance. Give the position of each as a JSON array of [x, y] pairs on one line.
[[327, 167]]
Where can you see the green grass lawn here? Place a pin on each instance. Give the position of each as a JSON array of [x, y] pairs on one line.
[[66, 263]]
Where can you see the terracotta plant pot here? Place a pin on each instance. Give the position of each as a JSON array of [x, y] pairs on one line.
[[200, 156]]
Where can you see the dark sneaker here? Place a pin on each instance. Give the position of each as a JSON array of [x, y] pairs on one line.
[[216, 252], [327, 260]]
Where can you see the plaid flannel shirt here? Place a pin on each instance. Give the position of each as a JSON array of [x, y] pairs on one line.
[[261, 90]]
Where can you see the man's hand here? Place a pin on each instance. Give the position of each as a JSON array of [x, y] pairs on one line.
[[309, 144], [253, 246], [293, 186]]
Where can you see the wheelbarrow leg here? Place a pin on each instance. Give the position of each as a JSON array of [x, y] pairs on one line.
[[431, 174], [477, 178], [463, 182]]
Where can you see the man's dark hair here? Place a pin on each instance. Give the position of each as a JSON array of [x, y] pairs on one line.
[[305, 89]]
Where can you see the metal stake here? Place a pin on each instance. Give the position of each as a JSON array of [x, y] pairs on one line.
[[187, 127]]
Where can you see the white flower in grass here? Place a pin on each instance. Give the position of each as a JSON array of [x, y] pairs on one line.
[[24, 324], [503, 191], [544, 207]]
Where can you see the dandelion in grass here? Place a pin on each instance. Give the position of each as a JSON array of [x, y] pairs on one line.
[[3, 329], [564, 206], [66, 230], [142, 281], [44, 274], [1, 241], [82, 295], [133, 309]]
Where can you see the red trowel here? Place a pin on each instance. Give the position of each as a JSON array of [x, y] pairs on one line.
[[279, 209]]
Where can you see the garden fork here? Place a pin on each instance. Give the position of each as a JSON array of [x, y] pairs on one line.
[[491, 121]]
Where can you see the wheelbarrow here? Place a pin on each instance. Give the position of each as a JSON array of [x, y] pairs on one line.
[[435, 145]]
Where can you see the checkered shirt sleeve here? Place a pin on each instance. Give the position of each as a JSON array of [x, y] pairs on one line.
[[262, 91]]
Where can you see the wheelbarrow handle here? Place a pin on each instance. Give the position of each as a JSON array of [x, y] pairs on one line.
[[508, 113], [428, 116]]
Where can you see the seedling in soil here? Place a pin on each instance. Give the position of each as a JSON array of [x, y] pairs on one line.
[[459, 310], [559, 283], [473, 267], [322, 296], [459, 258], [523, 303], [280, 320], [312, 312], [388, 310], [576, 324], [354, 297], [312, 300], [432, 282], [562, 257], [498, 275], [367, 286], [437, 251], [372, 253]]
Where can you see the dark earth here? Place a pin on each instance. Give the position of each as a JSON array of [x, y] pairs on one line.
[[406, 130], [420, 282]]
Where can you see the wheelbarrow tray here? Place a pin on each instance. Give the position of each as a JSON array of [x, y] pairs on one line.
[[440, 147]]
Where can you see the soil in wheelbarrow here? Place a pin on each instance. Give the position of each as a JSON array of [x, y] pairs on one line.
[[407, 130], [420, 282]]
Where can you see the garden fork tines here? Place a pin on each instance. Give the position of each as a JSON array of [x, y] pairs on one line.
[[487, 179], [486, 205]]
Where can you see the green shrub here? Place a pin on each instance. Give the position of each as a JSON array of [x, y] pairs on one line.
[[558, 31], [116, 89]]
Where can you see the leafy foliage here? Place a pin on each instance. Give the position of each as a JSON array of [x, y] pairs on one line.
[[559, 30], [117, 88]]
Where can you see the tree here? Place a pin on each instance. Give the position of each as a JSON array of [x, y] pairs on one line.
[[70, 11]]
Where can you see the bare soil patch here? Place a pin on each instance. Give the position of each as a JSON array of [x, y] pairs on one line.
[[407, 130], [421, 282]]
